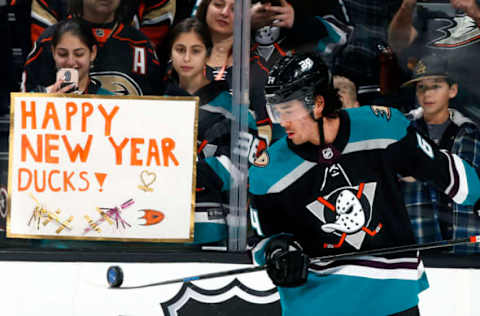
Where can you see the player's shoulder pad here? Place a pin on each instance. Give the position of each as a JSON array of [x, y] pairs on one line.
[[275, 169], [374, 122]]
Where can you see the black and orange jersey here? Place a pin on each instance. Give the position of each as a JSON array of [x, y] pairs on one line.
[[126, 63], [45, 13], [152, 17]]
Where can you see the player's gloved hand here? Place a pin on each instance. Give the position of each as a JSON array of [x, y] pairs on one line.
[[287, 265]]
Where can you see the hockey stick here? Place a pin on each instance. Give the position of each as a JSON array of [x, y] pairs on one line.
[[406, 248], [115, 274]]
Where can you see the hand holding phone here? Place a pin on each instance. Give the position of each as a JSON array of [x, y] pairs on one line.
[[283, 14], [68, 76]]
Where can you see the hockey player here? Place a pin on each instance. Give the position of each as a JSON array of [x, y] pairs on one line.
[[126, 63], [190, 46], [330, 186]]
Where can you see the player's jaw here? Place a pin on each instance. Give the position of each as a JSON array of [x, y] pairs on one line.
[[296, 131]]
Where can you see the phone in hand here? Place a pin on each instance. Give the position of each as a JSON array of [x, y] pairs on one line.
[[69, 76]]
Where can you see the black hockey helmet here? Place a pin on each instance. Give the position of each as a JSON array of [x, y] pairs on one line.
[[296, 77]]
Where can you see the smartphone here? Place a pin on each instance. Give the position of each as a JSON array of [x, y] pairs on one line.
[[69, 76]]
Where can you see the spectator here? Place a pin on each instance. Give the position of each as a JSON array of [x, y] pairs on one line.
[[285, 28], [330, 187], [74, 46], [347, 91], [191, 45], [449, 30], [125, 63], [434, 217], [218, 16], [152, 17]]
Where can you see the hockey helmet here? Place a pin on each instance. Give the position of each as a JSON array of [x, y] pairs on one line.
[[296, 77]]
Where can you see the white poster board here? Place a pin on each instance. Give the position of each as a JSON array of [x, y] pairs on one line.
[[102, 167]]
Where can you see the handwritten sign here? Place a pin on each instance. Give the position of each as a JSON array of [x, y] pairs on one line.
[[106, 168]]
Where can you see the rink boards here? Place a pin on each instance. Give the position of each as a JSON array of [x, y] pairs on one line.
[[41, 288]]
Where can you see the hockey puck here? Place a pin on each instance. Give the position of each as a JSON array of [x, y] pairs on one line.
[[114, 276]]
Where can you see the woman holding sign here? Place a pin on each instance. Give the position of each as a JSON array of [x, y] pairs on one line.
[[190, 46], [74, 49]]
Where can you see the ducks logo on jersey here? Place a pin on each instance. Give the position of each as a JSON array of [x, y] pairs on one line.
[[345, 212]]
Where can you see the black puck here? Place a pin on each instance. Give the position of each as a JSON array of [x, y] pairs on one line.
[[114, 276]]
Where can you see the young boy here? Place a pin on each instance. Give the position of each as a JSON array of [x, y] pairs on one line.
[[434, 216]]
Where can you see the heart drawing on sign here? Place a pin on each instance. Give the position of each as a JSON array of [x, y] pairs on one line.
[[147, 178]]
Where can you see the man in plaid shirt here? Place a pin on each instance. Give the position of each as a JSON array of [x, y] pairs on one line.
[[433, 215]]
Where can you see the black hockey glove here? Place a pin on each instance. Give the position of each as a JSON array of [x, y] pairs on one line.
[[287, 265]]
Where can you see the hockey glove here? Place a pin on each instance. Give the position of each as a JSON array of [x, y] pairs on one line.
[[287, 265]]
